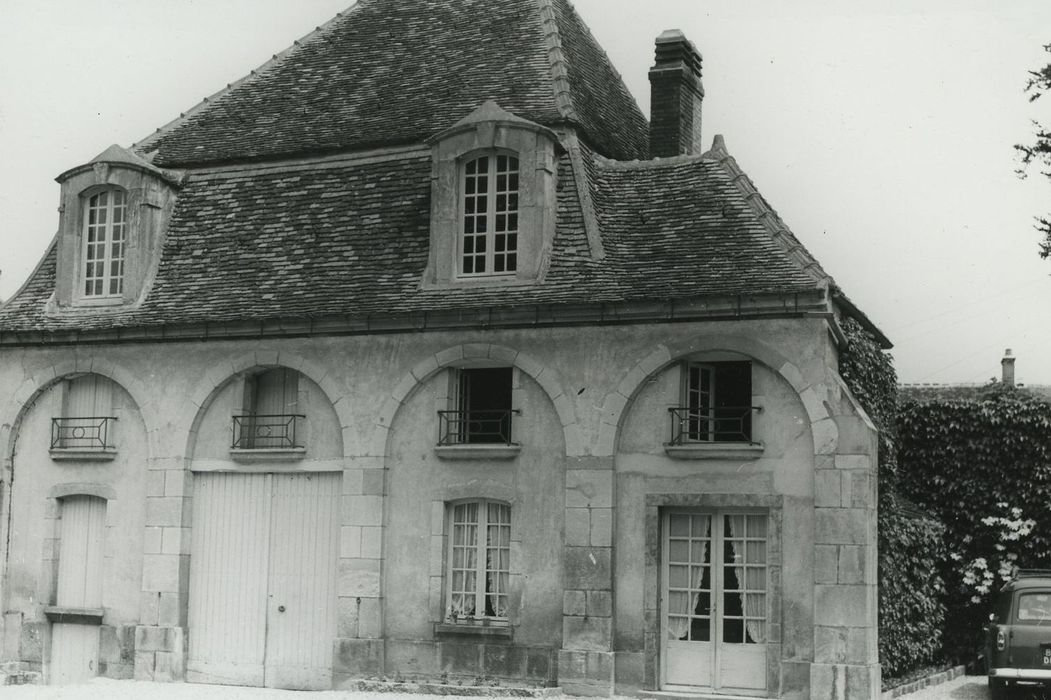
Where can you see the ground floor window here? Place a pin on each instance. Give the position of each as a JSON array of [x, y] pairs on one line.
[[479, 560]]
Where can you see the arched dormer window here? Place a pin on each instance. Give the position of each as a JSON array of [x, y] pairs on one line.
[[493, 201], [111, 226], [105, 237], [489, 240]]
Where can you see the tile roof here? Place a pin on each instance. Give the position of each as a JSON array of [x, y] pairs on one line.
[[351, 237], [395, 71]]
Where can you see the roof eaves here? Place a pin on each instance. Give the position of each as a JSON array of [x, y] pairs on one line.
[[142, 146], [854, 312]]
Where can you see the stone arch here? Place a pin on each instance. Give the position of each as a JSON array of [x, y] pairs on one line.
[[544, 375], [103, 491], [34, 386], [823, 427], [207, 389]]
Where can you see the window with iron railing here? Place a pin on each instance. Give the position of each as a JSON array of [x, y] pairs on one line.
[[717, 398], [483, 413], [270, 420], [82, 433]]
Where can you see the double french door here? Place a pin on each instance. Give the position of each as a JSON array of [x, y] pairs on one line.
[[262, 579], [714, 601]]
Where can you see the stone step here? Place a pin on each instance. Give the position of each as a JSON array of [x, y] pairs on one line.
[[690, 695]]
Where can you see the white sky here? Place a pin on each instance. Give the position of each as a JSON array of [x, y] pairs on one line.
[[880, 132]]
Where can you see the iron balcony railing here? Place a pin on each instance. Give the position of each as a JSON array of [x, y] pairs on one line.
[[721, 424], [82, 433], [257, 431], [476, 427]]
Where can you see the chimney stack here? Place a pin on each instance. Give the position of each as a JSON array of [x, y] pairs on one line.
[[675, 97], [1007, 366]]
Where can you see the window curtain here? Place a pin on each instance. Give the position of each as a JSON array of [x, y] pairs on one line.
[[754, 607], [497, 559], [465, 561], [681, 603]]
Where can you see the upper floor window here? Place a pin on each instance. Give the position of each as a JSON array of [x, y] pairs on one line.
[[717, 403], [482, 397], [489, 245], [86, 427], [271, 418], [105, 234]]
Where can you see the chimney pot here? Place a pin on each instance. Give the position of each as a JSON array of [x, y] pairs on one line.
[[676, 94], [1007, 366]]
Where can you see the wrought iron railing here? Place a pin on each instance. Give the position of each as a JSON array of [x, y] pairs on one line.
[[721, 424], [476, 427], [82, 433], [256, 431]]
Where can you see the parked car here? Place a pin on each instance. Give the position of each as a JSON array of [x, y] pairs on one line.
[[1018, 641]]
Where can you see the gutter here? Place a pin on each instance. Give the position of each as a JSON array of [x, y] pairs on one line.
[[809, 304]]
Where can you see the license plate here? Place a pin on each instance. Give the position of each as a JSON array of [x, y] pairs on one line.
[[1047, 657]]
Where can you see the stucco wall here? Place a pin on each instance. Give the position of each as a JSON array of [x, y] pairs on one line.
[[594, 403]]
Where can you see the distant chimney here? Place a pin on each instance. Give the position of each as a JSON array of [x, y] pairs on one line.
[[675, 97], [1007, 366]]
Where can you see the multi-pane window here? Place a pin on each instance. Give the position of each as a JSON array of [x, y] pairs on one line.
[[479, 560], [489, 245], [718, 403], [105, 235]]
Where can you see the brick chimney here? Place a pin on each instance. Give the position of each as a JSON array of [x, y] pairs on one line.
[[675, 97], [1007, 367]]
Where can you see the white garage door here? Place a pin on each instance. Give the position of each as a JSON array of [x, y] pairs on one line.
[[262, 579]]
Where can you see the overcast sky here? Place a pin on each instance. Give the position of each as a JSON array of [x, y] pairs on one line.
[[880, 132]]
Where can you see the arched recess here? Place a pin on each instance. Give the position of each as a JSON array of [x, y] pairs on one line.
[[823, 427], [544, 375], [31, 389], [204, 393]]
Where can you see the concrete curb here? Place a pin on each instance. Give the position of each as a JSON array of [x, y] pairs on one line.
[[919, 684]]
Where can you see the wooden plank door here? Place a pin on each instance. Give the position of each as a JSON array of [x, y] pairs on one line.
[[75, 647], [228, 578], [301, 602], [262, 579]]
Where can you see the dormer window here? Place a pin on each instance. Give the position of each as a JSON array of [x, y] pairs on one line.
[[493, 201], [489, 245], [105, 234]]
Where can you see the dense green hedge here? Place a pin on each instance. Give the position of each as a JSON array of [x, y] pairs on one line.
[[911, 612], [983, 467]]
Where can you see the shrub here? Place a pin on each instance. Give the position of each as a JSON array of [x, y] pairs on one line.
[[983, 467], [910, 543]]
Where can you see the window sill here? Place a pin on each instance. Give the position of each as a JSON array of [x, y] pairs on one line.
[[268, 454], [80, 616], [474, 629], [490, 452], [716, 450], [83, 454]]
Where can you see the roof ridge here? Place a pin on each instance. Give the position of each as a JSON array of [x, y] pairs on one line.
[[650, 163], [766, 214], [274, 60], [557, 61]]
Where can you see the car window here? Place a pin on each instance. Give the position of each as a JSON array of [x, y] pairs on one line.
[[1034, 606], [1002, 610]]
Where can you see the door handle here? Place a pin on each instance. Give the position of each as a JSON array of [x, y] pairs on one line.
[[280, 608]]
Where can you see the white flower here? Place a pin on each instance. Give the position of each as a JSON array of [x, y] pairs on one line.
[[975, 599], [955, 556], [989, 521]]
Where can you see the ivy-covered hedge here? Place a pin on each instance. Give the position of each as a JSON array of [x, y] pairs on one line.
[[911, 613], [983, 467]]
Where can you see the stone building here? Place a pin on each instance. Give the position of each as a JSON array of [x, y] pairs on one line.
[[419, 352]]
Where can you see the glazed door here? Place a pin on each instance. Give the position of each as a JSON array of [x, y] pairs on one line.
[[714, 601], [262, 579]]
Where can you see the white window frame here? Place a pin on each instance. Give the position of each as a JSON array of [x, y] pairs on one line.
[[490, 237], [481, 548], [107, 241]]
